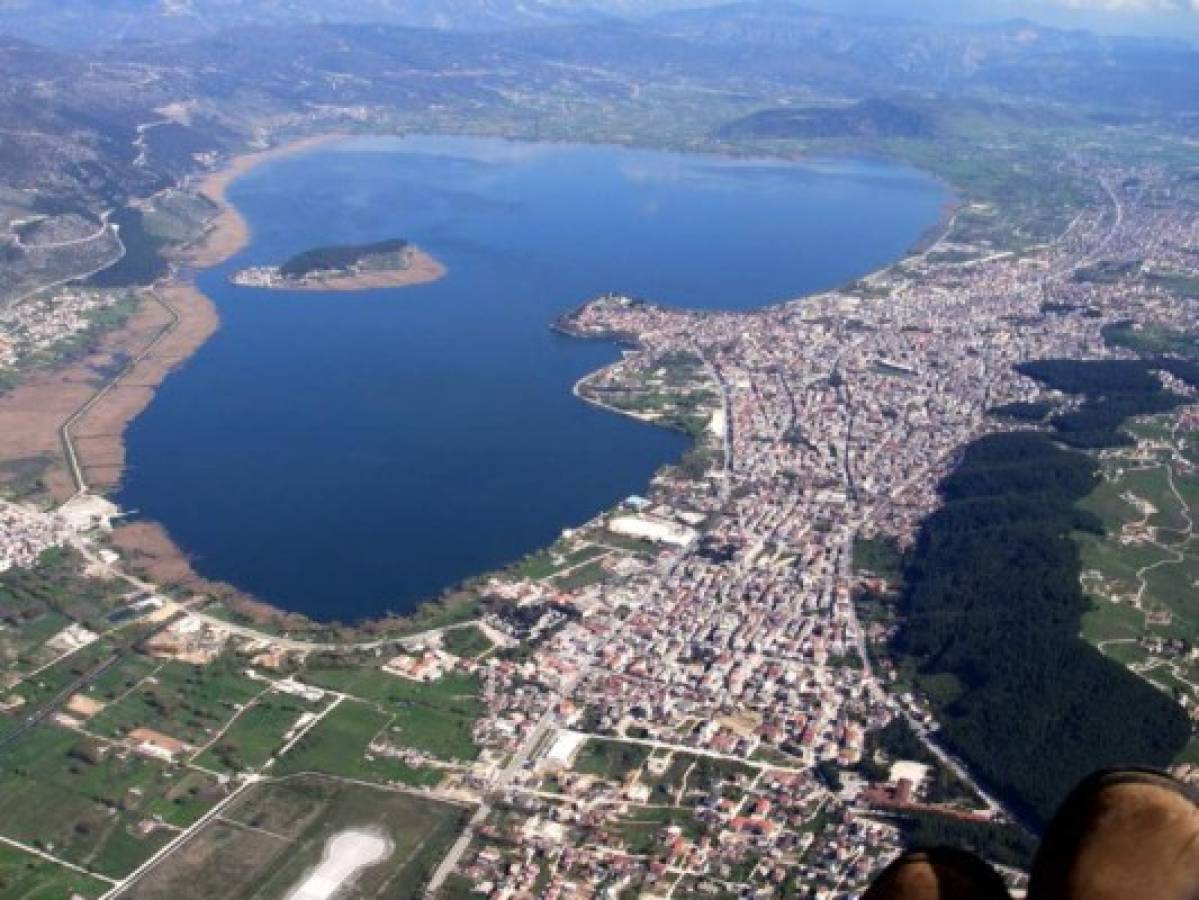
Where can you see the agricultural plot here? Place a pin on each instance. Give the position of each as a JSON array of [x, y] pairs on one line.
[[116, 682], [1112, 622], [268, 841], [1153, 570], [434, 717], [57, 583], [36, 692], [1143, 573], [23, 642], [340, 744], [29, 877], [256, 733], [188, 703], [91, 804]]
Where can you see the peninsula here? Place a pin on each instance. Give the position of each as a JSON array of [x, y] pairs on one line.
[[350, 267]]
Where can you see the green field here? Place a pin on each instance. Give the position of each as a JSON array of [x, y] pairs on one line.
[[585, 575], [40, 690], [122, 678], [23, 642], [468, 642], [1152, 485], [66, 794], [536, 566], [339, 745], [268, 839], [256, 734], [675, 389], [545, 563], [626, 542], [1107, 503], [1129, 654], [878, 557], [190, 703], [689, 777], [56, 584], [435, 717], [1112, 621], [1169, 567], [668, 786], [1152, 340], [642, 828], [612, 760], [24, 876]]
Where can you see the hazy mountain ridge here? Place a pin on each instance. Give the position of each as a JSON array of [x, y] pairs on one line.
[[873, 118], [91, 21], [69, 119]]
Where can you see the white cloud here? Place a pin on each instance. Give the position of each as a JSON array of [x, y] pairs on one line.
[[1132, 6]]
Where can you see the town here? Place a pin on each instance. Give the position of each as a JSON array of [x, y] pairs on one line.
[[678, 697]]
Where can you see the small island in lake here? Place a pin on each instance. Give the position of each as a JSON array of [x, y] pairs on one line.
[[352, 267]]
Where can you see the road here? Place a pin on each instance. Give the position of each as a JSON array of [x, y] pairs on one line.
[[499, 782], [64, 431], [134, 876], [726, 433], [79, 276], [46, 710], [875, 687], [408, 642]]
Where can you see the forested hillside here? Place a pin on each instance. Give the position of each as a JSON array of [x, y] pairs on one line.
[[992, 608]]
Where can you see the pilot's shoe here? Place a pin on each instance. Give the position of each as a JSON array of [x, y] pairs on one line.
[[1121, 835], [942, 873]]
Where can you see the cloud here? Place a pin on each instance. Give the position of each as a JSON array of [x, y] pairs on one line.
[[1131, 6]]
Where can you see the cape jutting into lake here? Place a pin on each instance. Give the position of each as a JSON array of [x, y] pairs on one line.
[[346, 454]]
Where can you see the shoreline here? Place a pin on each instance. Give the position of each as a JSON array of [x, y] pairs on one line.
[[146, 544], [229, 233], [34, 412], [98, 394]]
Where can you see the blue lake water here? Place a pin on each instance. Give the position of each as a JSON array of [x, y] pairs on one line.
[[347, 454]]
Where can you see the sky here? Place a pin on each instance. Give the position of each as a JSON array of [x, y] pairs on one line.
[[1179, 18]]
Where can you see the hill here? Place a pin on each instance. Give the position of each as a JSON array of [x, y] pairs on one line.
[[874, 118]]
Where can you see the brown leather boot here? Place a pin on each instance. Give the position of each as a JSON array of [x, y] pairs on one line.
[[1121, 835], [942, 873]]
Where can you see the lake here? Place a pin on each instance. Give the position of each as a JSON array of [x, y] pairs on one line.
[[342, 455]]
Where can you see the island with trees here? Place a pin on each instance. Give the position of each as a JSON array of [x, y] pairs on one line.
[[350, 267]]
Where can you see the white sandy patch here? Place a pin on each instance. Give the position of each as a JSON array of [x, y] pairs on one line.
[[716, 424], [346, 854]]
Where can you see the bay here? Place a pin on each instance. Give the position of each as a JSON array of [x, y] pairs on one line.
[[347, 454]]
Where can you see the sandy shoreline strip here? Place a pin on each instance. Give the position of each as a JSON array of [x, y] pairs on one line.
[[422, 269], [172, 323], [32, 413], [229, 232]]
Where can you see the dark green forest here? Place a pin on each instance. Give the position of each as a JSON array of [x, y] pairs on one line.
[[1024, 412], [992, 606], [1113, 390], [325, 259]]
